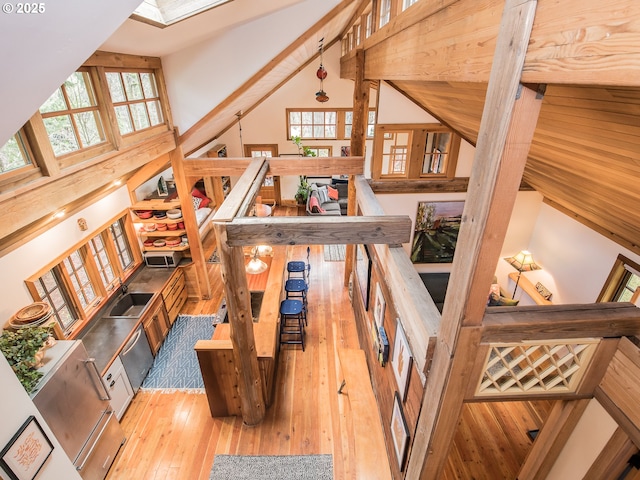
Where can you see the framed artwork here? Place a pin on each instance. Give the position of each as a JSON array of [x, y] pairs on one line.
[[399, 431], [436, 232], [401, 360], [25, 454], [363, 273], [379, 307]]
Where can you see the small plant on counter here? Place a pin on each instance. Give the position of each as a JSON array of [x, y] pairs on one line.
[[21, 348]]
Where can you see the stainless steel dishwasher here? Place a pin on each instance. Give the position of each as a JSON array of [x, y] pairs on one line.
[[137, 358]]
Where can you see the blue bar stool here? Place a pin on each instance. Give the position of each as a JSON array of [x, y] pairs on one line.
[[299, 267], [296, 289], [292, 322]]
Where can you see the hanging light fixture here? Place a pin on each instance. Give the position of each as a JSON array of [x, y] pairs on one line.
[[255, 265], [262, 250], [321, 73]]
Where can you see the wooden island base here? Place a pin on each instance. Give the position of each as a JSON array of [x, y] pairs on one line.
[[215, 356]]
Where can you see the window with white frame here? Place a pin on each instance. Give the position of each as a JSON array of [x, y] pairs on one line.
[[318, 124]]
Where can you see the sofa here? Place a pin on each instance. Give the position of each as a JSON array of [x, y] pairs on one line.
[[328, 199]]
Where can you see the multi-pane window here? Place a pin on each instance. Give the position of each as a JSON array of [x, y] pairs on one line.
[[436, 152], [82, 285], [318, 124], [102, 261], [49, 289], [312, 124], [136, 100], [395, 152], [623, 284], [71, 115], [368, 30], [628, 287], [78, 284], [320, 151], [121, 243], [385, 12], [14, 154], [407, 3], [348, 123]]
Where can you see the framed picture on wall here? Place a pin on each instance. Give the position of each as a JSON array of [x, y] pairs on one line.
[[436, 232], [25, 454], [379, 307], [363, 273], [399, 431], [401, 360]]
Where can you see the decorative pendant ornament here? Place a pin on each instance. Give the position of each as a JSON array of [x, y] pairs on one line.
[[321, 73]]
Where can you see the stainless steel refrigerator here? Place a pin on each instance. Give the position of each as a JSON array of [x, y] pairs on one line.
[[75, 404]]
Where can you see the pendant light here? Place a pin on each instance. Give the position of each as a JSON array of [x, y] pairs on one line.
[[321, 73], [255, 265]]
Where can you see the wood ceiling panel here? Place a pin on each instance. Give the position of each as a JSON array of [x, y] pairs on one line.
[[585, 154]]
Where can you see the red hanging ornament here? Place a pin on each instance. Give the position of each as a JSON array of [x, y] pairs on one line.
[[321, 73]]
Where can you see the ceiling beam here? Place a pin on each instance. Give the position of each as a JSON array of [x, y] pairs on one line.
[[319, 230]]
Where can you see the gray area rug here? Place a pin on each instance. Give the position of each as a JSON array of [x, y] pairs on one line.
[[281, 467], [176, 365], [334, 253]]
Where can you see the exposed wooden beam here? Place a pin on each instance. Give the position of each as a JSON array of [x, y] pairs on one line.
[[215, 167], [317, 166], [231, 206], [551, 439], [506, 130], [512, 324], [238, 298], [122, 60], [599, 47], [614, 457], [40, 198], [319, 230]]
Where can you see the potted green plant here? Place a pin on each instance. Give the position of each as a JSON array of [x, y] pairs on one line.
[[302, 150], [23, 349], [303, 190]]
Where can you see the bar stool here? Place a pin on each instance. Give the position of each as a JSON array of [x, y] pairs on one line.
[[296, 289], [300, 267], [292, 318]]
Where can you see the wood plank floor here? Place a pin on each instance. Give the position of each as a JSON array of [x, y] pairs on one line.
[[171, 436]]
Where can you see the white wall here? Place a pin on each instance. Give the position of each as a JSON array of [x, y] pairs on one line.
[[203, 75], [35, 254], [268, 124], [593, 431], [56, 42]]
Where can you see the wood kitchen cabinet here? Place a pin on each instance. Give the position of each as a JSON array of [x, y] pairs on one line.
[[156, 324], [174, 294]]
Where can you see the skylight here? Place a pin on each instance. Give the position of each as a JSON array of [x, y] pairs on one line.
[[162, 13]]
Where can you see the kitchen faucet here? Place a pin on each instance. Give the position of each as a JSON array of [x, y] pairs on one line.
[[123, 287]]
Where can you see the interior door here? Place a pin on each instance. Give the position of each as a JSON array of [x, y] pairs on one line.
[[270, 191]]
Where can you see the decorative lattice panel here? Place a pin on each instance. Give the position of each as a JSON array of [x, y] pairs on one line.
[[534, 368]]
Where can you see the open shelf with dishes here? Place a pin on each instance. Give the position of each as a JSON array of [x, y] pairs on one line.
[[162, 225]]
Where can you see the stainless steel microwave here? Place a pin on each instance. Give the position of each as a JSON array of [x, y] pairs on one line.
[[162, 259]]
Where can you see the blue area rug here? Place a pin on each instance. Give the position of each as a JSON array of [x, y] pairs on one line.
[[176, 365]]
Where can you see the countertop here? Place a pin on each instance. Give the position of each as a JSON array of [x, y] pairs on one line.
[[105, 336]]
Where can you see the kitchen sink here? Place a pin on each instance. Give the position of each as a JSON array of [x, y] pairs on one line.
[[130, 305]]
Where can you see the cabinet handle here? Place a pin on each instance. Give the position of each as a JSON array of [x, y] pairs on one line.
[[112, 384], [109, 377]]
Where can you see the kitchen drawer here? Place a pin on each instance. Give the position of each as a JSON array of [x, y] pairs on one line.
[[119, 387], [175, 294]]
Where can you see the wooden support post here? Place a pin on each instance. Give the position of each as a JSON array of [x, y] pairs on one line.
[[358, 138], [250, 385], [191, 223], [557, 428], [506, 130]]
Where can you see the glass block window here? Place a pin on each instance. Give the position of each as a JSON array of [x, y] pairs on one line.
[[135, 99], [535, 367], [71, 116]]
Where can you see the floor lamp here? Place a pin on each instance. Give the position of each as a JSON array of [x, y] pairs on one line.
[[522, 262]]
